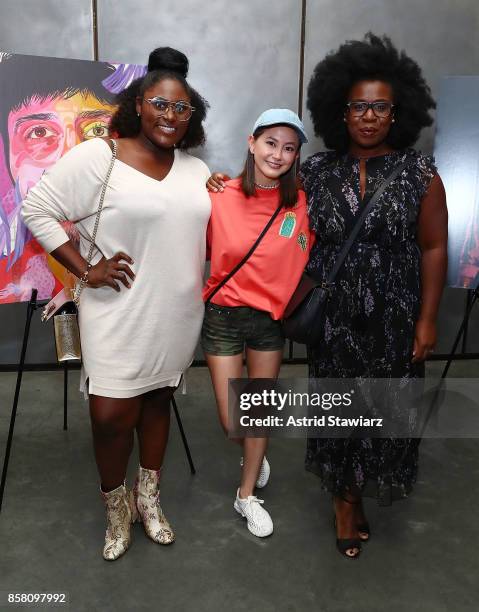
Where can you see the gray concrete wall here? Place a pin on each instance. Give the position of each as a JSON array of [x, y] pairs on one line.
[[441, 35], [244, 58], [54, 28]]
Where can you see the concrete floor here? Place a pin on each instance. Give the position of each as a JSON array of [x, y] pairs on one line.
[[422, 555]]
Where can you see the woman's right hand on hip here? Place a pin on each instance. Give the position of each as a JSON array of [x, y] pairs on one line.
[[111, 272]]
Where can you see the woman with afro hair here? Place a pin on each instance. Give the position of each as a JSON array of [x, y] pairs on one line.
[[369, 103], [141, 307]]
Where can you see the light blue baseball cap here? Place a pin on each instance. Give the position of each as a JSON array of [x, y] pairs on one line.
[[272, 116]]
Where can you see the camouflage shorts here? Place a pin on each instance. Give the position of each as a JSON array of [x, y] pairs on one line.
[[227, 330]]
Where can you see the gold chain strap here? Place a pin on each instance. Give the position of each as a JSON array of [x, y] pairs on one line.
[[82, 282]]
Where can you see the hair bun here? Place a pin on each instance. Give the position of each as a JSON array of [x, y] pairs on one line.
[[166, 58]]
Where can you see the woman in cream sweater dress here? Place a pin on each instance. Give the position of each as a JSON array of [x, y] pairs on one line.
[[141, 309]]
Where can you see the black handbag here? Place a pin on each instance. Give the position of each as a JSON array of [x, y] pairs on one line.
[[303, 317]]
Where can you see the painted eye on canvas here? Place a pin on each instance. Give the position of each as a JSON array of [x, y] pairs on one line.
[[95, 130], [38, 132]]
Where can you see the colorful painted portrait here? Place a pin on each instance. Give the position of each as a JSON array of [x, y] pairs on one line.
[[47, 106], [457, 156]]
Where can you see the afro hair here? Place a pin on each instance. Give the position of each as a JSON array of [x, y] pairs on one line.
[[373, 58]]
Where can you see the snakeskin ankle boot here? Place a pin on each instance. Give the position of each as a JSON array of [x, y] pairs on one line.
[[120, 513], [147, 498]]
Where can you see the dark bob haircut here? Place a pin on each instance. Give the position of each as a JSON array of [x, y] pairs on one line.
[[374, 58], [288, 182], [163, 63]]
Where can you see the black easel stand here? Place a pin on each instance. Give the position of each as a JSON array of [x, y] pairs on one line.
[[65, 395], [472, 297], [471, 300], [183, 436], [32, 305]]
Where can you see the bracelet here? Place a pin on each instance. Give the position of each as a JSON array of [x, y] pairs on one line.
[[84, 276]]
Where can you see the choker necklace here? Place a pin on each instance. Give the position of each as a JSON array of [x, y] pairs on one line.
[[273, 186]]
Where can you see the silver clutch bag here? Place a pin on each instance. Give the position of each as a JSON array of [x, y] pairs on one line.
[[67, 337], [65, 325]]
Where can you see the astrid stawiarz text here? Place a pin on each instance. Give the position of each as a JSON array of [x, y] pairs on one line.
[[290, 400]]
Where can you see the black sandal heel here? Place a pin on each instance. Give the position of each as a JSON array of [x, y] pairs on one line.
[[345, 544], [363, 529], [348, 544]]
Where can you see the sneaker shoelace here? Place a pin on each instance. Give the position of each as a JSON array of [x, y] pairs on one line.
[[251, 503]]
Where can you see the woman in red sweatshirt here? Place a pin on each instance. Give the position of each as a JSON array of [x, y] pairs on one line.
[[243, 315]]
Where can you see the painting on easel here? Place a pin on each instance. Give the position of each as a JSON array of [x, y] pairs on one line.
[[457, 157], [47, 106]]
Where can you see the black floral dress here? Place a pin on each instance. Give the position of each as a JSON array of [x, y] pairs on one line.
[[371, 314]]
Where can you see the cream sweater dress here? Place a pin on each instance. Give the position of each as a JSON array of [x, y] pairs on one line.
[[141, 338]]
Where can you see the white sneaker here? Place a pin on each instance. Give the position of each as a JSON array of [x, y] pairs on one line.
[[264, 472], [258, 520]]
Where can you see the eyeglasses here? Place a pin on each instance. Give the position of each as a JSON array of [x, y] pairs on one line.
[[182, 110], [381, 110]]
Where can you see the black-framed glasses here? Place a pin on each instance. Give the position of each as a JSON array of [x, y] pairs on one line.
[[182, 110], [381, 109]]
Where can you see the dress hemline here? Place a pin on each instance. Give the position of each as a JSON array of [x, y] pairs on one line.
[[89, 386]]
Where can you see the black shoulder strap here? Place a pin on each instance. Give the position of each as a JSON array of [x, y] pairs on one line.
[[246, 257], [359, 223]]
